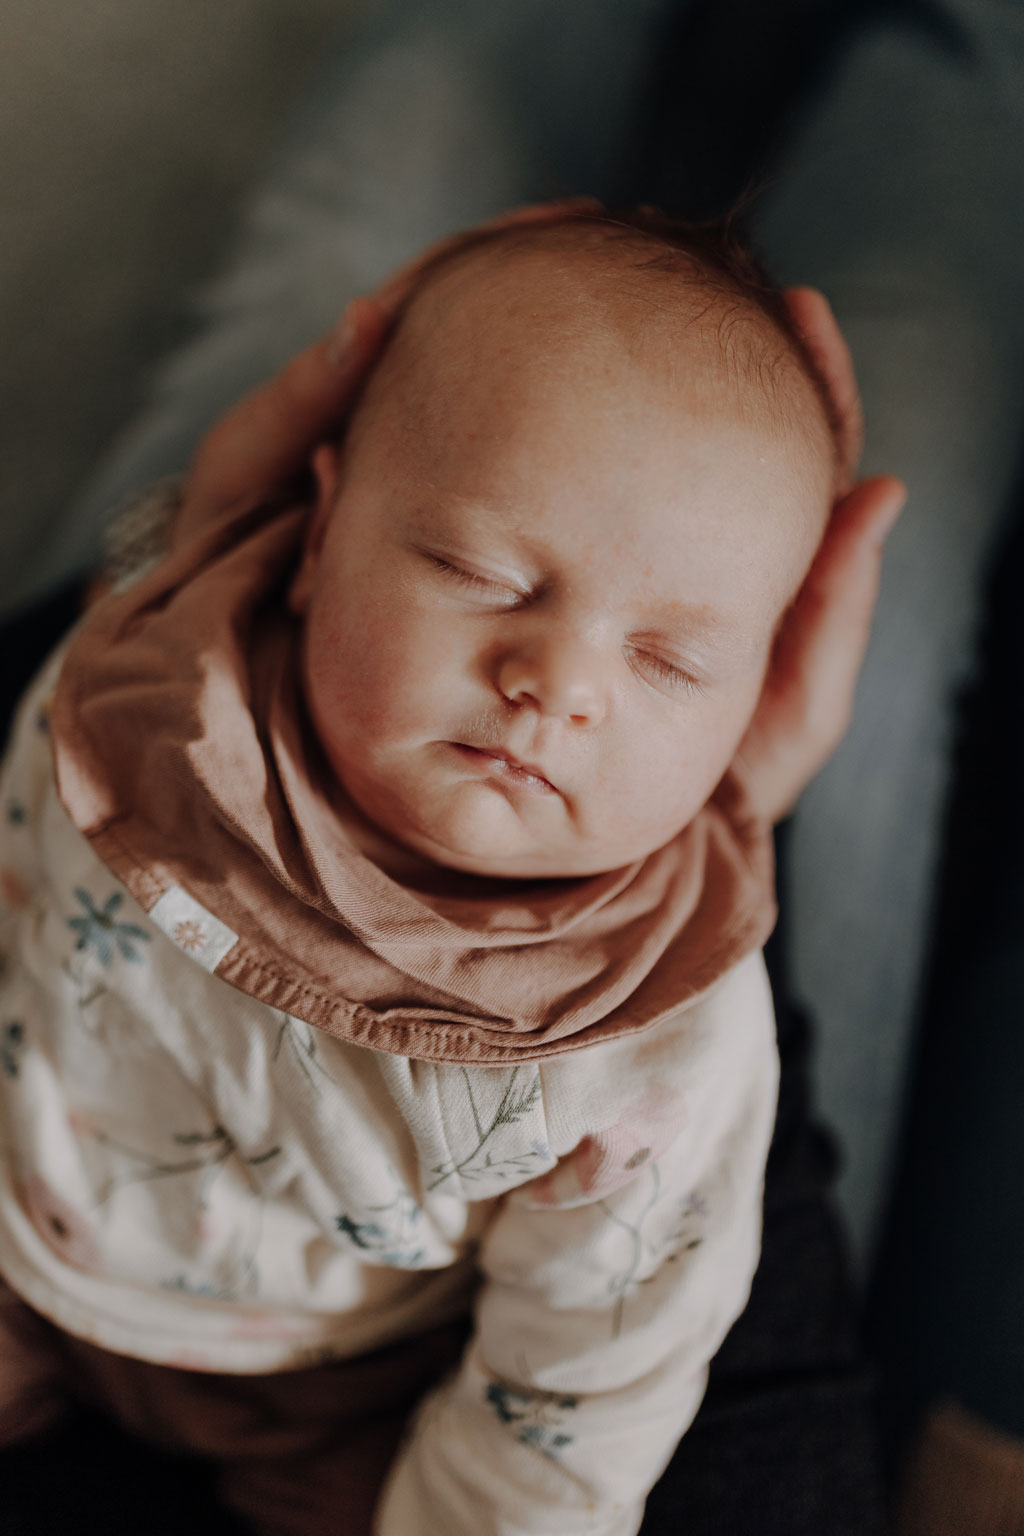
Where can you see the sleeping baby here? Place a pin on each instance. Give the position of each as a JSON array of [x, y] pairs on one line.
[[388, 1059]]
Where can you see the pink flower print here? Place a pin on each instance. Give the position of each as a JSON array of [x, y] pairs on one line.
[[205, 1228], [13, 888], [191, 1360], [60, 1225], [605, 1160], [189, 935], [266, 1325]]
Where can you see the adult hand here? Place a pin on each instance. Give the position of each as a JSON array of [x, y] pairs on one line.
[[258, 448], [807, 700], [265, 440]]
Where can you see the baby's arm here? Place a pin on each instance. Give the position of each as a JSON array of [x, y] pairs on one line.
[[609, 1285]]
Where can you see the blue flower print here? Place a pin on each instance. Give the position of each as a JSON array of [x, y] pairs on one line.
[[392, 1241], [99, 930], [365, 1234], [535, 1418], [12, 1038], [198, 1288]]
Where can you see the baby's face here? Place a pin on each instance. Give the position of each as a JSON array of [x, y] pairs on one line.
[[540, 609]]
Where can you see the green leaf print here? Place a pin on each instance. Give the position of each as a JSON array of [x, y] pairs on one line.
[[535, 1418], [392, 1235], [517, 1100]]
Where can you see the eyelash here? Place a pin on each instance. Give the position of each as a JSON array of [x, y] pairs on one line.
[[674, 676], [471, 579], [644, 661]]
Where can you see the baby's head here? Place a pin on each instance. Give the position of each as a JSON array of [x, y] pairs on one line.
[[541, 589]]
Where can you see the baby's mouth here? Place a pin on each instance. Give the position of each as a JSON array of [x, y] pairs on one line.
[[502, 765]]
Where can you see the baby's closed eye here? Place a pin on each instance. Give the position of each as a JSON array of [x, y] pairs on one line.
[[662, 671], [503, 592]]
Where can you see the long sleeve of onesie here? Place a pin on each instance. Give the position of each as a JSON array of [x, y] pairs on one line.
[[608, 1285]]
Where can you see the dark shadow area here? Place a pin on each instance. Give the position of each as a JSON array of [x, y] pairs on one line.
[[88, 1477], [945, 1313]]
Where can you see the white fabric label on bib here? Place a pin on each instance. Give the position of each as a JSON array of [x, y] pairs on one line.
[[188, 925]]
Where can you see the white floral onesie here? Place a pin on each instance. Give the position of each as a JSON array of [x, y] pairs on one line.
[[191, 1177]]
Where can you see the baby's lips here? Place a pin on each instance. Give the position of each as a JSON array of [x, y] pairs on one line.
[[504, 760]]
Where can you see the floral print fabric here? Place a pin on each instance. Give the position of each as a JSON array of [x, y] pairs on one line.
[[192, 1177]]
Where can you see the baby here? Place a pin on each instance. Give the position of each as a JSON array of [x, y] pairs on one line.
[[384, 917]]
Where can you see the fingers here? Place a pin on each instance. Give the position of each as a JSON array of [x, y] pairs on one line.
[[812, 315], [268, 436], [829, 625], [807, 701], [825, 635]]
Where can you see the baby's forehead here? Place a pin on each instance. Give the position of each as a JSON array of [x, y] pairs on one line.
[[568, 282], [665, 311], [574, 412]]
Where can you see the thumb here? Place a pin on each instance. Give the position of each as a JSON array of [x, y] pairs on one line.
[[268, 436], [807, 700], [827, 629]]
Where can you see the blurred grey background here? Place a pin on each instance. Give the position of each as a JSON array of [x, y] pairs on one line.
[[129, 131]]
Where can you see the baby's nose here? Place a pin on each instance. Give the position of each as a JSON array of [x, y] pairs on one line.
[[558, 675]]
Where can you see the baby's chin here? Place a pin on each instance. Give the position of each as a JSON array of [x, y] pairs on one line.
[[479, 832]]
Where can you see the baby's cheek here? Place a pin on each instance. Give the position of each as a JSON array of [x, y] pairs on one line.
[[371, 674], [671, 769]]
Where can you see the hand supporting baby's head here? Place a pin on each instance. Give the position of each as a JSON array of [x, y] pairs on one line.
[[541, 590]]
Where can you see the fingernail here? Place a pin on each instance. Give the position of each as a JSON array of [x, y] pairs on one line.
[[890, 512], [342, 340]]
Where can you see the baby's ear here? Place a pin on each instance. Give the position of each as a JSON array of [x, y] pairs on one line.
[[326, 467]]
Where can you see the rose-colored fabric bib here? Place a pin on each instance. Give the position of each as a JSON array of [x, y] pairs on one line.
[[184, 753]]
